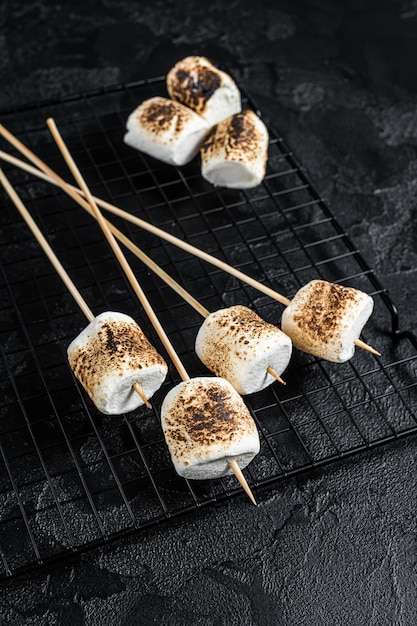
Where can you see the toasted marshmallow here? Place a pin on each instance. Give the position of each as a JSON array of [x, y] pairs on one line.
[[166, 130], [324, 319], [109, 356], [235, 152], [240, 346], [206, 425], [200, 85]]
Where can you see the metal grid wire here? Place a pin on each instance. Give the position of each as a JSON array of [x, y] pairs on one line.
[[72, 478]]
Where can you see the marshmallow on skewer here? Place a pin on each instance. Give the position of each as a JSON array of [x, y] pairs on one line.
[[207, 425], [324, 319], [200, 85], [112, 354], [166, 130], [238, 345], [234, 153]]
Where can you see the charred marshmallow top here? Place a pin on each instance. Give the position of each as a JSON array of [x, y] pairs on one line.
[[199, 85], [207, 424]]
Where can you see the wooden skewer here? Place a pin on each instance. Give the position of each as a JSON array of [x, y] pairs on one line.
[[128, 243], [62, 273], [117, 250], [361, 344], [75, 194], [157, 269], [213, 261], [46, 247], [128, 271], [173, 283], [241, 478], [140, 393], [138, 252], [141, 223], [273, 373]]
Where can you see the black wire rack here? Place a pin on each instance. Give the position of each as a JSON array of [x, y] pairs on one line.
[[72, 478]]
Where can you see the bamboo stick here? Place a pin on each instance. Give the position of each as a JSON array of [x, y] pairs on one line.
[[132, 279], [62, 273], [73, 192]]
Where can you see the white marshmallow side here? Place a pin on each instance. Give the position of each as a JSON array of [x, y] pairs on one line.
[[238, 345], [234, 153], [165, 130], [231, 174], [109, 356], [206, 425], [207, 90], [224, 102], [324, 319]]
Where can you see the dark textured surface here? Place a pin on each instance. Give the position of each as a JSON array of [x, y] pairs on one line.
[[339, 82]]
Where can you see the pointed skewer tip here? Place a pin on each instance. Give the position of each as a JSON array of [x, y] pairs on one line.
[[242, 480], [364, 346], [139, 391], [273, 373]]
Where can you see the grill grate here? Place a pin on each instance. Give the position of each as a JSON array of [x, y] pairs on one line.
[[72, 478]]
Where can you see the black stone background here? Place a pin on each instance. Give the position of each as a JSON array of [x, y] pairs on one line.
[[339, 79]]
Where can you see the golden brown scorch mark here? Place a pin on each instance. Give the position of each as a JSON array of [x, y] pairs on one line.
[[193, 83], [241, 324], [237, 135], [158, 115], [116, 345], [205, 415], [324, 308]]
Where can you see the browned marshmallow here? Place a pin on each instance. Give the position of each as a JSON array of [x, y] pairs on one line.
[[238, 345], [234, 153], [324, 319], [109, 356], [200, 85], [166, 130], [206, 425]]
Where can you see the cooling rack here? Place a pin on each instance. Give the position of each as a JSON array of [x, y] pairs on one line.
[[72, 478]]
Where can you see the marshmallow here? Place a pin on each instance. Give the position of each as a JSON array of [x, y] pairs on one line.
[[324, 319], [238, 345], [206, 424], [198, 84], [109, 356], [234, 153], [166, 130]]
